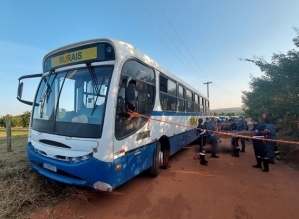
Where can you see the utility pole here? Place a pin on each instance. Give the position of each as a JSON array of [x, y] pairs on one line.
[[207, 83]]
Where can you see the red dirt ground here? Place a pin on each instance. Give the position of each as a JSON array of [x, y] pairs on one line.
[[227, 188]]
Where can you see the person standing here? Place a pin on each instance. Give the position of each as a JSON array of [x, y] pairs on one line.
[[275, 149], [211, 126], [234, 141], [270, 145], [258, 145], [242, 126], [202, 140], [207, 121], [225, 125]]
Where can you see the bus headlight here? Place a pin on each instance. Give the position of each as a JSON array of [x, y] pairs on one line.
[[63, 157], [85, 157], [74, 160], [79, 159]]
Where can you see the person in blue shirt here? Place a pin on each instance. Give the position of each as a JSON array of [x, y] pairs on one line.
[[258, 145], [211, 126], [276, 150], [270, 145], [242, 125], [234, 141], [202, 140]]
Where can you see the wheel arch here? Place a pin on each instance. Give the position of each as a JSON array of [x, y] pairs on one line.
[[165, 148]]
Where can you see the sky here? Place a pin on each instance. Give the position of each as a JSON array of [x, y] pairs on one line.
[[198, 40]]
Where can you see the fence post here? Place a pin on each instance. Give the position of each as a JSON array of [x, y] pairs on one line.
[[8, 133]]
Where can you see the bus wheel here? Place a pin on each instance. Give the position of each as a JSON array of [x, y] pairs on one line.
[[157, 161]]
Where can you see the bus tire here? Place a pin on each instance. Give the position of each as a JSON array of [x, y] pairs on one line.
[[155, 168]]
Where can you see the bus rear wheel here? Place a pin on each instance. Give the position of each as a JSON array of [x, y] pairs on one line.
[[157, 161]]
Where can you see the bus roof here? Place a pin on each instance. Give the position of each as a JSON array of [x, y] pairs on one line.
[[125, 49]]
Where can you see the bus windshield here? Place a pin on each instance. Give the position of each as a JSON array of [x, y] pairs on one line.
[[72, 103]]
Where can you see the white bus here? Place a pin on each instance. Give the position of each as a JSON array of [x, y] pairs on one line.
[[81, 131]]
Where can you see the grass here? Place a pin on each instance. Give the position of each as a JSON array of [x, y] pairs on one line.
[[21, 188], [12, 161], [16, 132]]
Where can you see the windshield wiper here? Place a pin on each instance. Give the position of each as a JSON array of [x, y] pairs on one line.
[[98, 94], [96, 89], [93, 77], [46, 93]]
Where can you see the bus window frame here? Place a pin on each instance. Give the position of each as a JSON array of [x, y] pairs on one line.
[[167, 94]]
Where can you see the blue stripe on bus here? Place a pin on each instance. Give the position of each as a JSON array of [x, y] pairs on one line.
[[88, 172], [169, 113], [85, 173]]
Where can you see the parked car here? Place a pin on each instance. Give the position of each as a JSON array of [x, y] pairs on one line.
[[223, 118]]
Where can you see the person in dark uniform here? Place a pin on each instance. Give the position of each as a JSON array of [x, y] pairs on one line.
[[275, 149], [211, 126], [202, 140], [234, 141], [270, 145], [242, 125], [207, 121], [259, 146]]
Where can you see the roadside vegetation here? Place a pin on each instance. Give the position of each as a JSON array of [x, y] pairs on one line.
[[235, 111], [16, 121], [276, 93], [21, 188]]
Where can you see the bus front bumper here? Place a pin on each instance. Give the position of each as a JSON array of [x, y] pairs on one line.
[[84, 173]]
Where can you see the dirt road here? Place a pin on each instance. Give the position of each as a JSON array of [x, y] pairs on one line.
[[227, 188]]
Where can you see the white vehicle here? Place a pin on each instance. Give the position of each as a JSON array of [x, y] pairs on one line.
[[223, 118], [82, 130]]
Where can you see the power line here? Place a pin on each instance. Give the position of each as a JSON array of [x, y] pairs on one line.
[[180, 39], [169, 38], [173, 42], [227, 91], [160, 38], [187, 47]]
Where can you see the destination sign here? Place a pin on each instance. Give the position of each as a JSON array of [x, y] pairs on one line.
[[73, 57]]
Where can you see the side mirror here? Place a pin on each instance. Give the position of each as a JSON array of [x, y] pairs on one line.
[[20, 90], [21, 86]]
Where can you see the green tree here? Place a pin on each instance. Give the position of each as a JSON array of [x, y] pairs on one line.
[[276, 92], [16, 121], [2, 121], [25, 119], [296, 39]]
